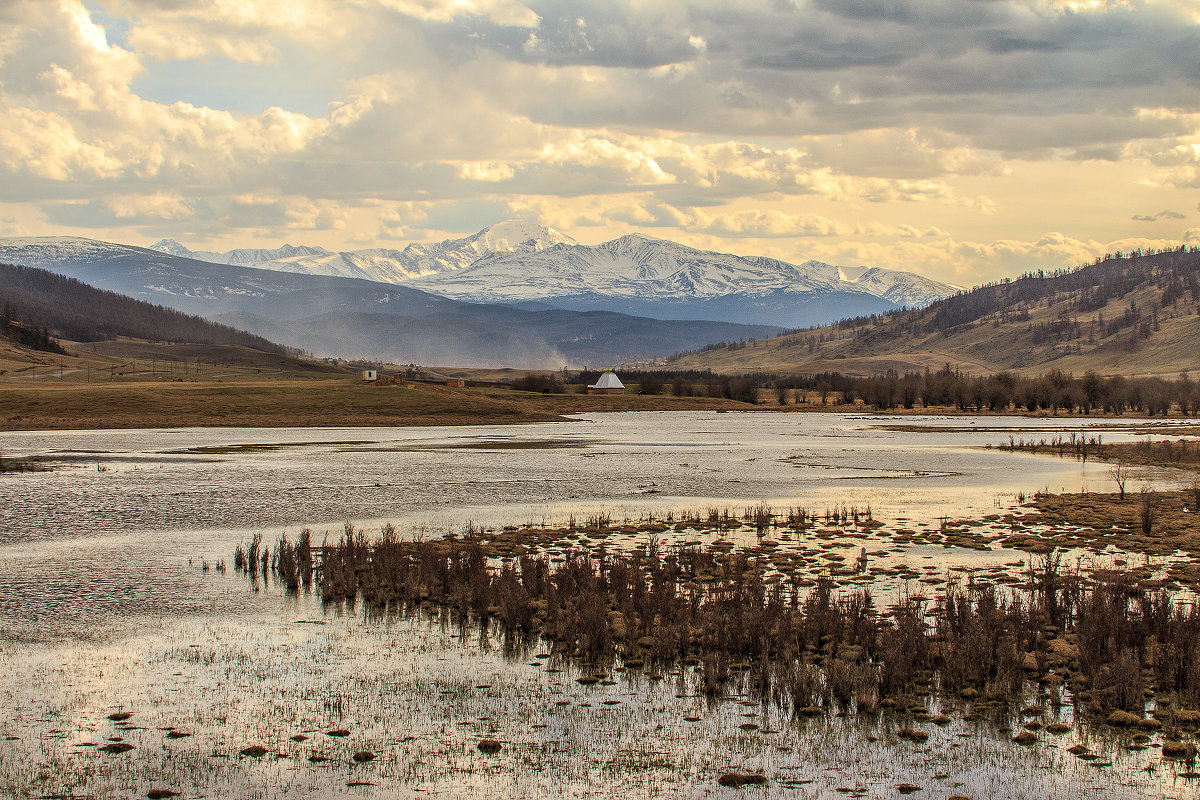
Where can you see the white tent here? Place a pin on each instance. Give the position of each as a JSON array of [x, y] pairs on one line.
[[608, 381]]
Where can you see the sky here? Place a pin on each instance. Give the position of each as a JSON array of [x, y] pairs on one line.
[[966, 140]]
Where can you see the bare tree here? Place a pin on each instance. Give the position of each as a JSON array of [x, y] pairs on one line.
[[1120, 474], [781, 392]]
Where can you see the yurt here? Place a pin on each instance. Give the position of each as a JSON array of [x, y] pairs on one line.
[[609, 383]]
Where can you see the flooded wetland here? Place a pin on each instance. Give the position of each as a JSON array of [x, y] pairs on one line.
[[625, 605]]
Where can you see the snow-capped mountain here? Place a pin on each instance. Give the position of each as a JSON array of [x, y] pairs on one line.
[[384, 264], [354, 318], [42, 251], [643, 267], [640, 274], [521, 262], [242, 257], [901, 287]]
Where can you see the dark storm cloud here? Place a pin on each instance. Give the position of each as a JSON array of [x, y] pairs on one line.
[[571, 34]]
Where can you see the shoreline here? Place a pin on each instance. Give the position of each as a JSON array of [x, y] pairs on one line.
[[312, 403]]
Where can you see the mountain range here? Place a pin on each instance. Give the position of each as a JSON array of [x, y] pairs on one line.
[[382, 264], [514, 293], [517, 262], [355, 318]]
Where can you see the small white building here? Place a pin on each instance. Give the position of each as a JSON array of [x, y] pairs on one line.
[[370, 375], [609, 383]]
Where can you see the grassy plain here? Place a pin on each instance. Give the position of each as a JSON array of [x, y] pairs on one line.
[[295, 402], [135, 384]]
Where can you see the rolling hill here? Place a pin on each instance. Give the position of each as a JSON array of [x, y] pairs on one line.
[[69, 309], [51, 321], [1132, 314]]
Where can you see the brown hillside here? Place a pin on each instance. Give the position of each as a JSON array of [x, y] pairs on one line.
[[127, 359], [1132, 315]]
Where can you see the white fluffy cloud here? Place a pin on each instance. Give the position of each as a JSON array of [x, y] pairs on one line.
[[903, 133]]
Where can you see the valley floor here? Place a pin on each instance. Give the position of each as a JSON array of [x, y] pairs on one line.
[[286, 402], [275, 401]]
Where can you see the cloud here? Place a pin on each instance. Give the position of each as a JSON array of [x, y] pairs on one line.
[[501, 12], [971, 262], [241, 31], [44, 145], [901, 124], [1158, 216], [773, 223]]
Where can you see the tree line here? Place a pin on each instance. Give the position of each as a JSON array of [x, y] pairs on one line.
[[39, 305], [26, 335], [949, 387], [1053, 391]]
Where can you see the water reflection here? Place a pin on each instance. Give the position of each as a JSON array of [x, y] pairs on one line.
[[105, 610]]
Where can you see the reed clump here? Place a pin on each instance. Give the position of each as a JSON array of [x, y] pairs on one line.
[[1163, 452], [293, 563], [1109, 641]]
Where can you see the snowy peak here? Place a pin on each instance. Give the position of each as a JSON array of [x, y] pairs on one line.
[[637, 271], [639, 266], [902, 288], [510, 236], [521, 261], [382, 264], [517, 236], [241, 257], [633, 242], [252, 257], [171, 248]]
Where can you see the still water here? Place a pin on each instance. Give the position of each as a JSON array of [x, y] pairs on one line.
[[105, 608]]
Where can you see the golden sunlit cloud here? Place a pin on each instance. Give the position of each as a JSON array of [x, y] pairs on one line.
[[963, 141]]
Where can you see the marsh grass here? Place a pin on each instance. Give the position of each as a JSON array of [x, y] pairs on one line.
[[1109, 641], [406, 691], [1181, 453], [1153, 522]]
